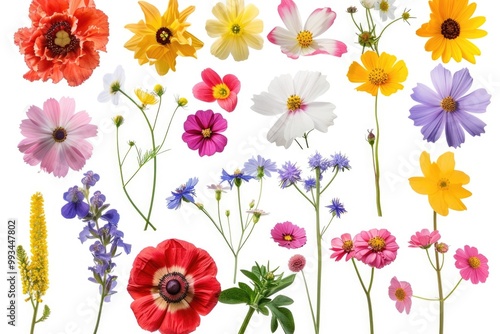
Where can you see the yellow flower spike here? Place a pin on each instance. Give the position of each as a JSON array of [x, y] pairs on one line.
[[442, 183]]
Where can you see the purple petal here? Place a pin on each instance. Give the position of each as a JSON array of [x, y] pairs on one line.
[[454, 133], [473, 125], [462, 81], [423, 115], [425, 95], [442, 81], [433, 130], [475, 102]]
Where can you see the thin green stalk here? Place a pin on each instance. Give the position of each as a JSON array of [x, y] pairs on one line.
[[319, 251], [299, 144], [305, 138], [377, 167], [244, 325], [309, 299], [100, 306], [327, 226], [331, 180], [453, 290], [430, 260], [35, 311], [440, 284], [367, 293], [302, 193]]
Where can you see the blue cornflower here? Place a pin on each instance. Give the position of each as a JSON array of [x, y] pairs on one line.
[[289, 174], [259, 167], [97, 200], [235, 178], [184, 192], [317, 161], [336, 208], [89, 179], [340, 161], [309, 183], [75, 206]]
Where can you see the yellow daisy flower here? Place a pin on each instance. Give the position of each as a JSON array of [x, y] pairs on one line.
[[450, 28], [442, 183], [236, 29], [378, 72], [161, 38]]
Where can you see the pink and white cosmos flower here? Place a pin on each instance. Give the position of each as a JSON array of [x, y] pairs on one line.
[[298, 40]]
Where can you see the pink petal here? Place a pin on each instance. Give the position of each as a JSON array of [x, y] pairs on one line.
[[210, 77], [229, 103], [232, 83], [203, 92], [290, 15]]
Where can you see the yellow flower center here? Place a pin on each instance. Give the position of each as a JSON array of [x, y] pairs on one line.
[[400, 294], [294, 102], [235, 28], [377, 243], [287, 237], [59, 134], [206, 133], [450, 29], [62, 38], [305, 38], [448, 104], [347, 246], [444, 184], [384, 6], [474, 262], [221, 91], [163, 36], [378, 77]]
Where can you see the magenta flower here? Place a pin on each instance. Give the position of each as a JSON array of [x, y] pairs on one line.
[[298, 40], [424, 239], [289, 235], [213, 88], [401, 292], [56, 137], [203, 132], [376, 248], [296, 263], [473, 266], [342, 246]]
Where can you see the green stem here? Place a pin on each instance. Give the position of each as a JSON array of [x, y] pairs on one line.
[[367, 293], [456, 286], [430, 260], [331, 180], [299, 144], [440, 285], [305, 138], [302, 193], [319, 251], [100, 305], [33, 320], [244, 325], [377, 167], [309, 300]]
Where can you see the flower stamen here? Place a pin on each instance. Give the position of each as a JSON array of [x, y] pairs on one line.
[[377, 243], [444, 184], [474, 262], [206, 133], [347, 246], [221, 91], [235, 28], [287, 237], [448, 104], [305, 38], [450, 29], [378, 77], [59, 39], [400, 294], [173, 287], [294, 102], [163, 36]]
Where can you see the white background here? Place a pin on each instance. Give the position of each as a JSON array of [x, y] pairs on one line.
[[74, 300]]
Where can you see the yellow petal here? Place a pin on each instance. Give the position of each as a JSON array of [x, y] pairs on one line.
[[453, 202], [438, 203], [369, 88], [446, 162], [357, 73], [369, 60], [151, 14], [458, 177], [425, 163], [422, 185]]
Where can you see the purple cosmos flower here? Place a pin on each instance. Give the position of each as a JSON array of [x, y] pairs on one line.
[[184, 192], [259, 167], [289, 174], [75, 206], [448, 108], [235, 178], [340, 162], [289, 235], [336, 208], [203, 132]]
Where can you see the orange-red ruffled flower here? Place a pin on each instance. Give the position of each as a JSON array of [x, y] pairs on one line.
[[63, 40]]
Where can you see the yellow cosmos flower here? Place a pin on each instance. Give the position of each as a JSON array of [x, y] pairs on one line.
[[450, 28], [161, 38], [378, 72], [442, 183], [236, 29]]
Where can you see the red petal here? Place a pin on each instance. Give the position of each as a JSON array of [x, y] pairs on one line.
[[149, 316], [210, 77], [206, 296], [146, 264], [180, 322]]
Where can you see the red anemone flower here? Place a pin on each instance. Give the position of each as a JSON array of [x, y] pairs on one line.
[[172, 285], [63, 40]]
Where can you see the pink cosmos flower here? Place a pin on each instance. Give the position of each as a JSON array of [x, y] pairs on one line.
[[473, 266], [203, 132], [297, 40], [289, 235], [213, 88], [376, 248], [56, 137], [342, 246], [401, 292], [424, 239]]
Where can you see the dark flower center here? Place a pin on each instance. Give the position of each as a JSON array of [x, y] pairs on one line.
[[59, 39], [400, 294], [378, 77], [287, 237], [236, 29], [59, 134], [163, 36], [450, 29], [173, 287]]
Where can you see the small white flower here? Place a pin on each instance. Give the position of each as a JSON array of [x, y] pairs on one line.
[[111, 83], [386, 8], [368, 4]]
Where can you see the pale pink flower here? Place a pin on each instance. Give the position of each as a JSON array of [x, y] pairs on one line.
[[296, 263], [298, 40], [376, 248], [424, 239], [401, 292], [342, 246], [56, 137], [214, 88], [473, 266]]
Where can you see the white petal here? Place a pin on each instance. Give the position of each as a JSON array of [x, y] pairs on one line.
[[309, 85], [320, 20], [290, 15], [297, 124], [321, 113], [268, 104]]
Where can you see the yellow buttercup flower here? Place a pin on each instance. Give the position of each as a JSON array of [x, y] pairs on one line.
[[379, 72], [450, 28], [146, 97], [442, 183], [237, 29], [161, 38]]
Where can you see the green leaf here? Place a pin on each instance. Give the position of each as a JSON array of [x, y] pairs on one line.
[[281, 300], [274, 324], [234, 296], [284, 316], [245, 287], [263, 309], [287, 281], [45, 315], [251, 275]]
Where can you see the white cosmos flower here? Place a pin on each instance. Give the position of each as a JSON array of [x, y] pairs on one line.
[[298, 40], [386, 8], [294, 99], [112, 82]]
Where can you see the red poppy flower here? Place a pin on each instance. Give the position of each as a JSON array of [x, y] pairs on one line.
[[172, 285], [63, 40]]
